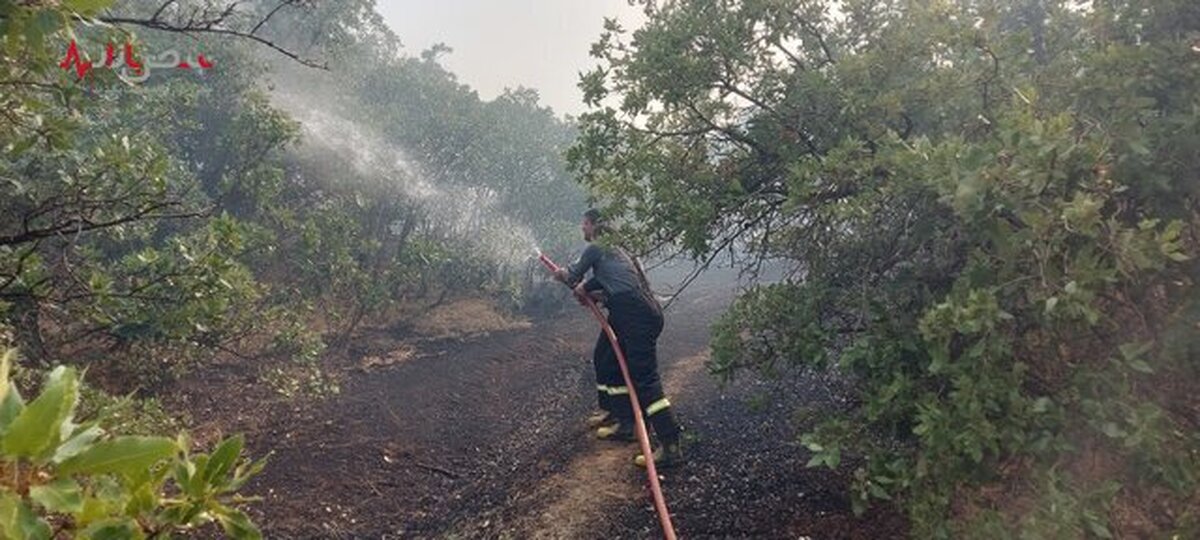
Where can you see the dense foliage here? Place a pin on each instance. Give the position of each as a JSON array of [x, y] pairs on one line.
[[990, 212], [150, 224], [63, 479]]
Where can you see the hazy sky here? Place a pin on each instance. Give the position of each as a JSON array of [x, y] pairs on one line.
[[540, 44]]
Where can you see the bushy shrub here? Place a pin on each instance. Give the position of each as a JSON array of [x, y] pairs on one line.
[[62, 477]]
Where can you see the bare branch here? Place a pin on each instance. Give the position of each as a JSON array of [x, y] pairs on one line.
[[264, 20], [80, 225], [34, 84], [208, 23], [161, 9], [10, 279], [796, 61], [725, 244], [729, 132]]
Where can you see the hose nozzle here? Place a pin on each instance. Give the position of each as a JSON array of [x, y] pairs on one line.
[[549, 264]]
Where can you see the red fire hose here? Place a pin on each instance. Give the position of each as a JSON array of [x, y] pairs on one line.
[[660, 503]]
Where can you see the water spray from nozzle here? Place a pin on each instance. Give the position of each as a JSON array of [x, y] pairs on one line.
[[549, 264]]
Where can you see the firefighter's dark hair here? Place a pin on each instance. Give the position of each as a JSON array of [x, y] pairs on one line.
[[595, 216]]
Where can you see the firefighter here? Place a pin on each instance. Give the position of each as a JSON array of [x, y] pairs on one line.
[[637, 319]]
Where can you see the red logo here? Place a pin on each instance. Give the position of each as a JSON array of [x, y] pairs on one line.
[[130, 67]]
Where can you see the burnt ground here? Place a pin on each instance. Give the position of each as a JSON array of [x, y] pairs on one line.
[[483, 437]]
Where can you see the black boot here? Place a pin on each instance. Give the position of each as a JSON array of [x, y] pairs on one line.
[[620, 431], [669, 452], [666, 428], [667, 455]]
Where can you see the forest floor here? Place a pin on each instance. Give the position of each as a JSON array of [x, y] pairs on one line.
[[482, 435]]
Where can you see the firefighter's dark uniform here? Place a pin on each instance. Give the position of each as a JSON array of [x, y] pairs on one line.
[[637, 319]]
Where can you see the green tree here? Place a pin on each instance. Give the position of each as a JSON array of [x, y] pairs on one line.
[[119, 215], [991, 218]]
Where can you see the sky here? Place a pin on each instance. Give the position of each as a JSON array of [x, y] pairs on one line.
[[498, 44]]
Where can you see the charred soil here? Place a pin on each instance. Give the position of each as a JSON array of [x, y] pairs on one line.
[[483, 436]]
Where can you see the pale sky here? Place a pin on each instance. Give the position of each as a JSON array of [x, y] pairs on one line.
[[498, 44]]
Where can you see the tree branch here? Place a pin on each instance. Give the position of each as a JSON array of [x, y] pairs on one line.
[[161, 9], [20, 266], [783, 121], [212, 25], [80, 225], [725, 243], [812, 29], [271, 14], [729, 132]]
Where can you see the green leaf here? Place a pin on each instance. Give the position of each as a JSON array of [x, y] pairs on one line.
[[144, 500], [183, 472], [834, 458], [1140, 365], [114, 529], [10, 398], [195, 487], [127, 456], [17, 150], [1099, 529], [1132, 351], [245, 472], [237, 524], [223, 459], [6, 360], [62, 496], [80, 442], [87, 7], [97, 509], [1112, 430], [18, 522], [46, 22], [37, 430], [10, 408]]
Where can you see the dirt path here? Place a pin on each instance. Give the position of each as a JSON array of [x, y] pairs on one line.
[[484, 438]]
